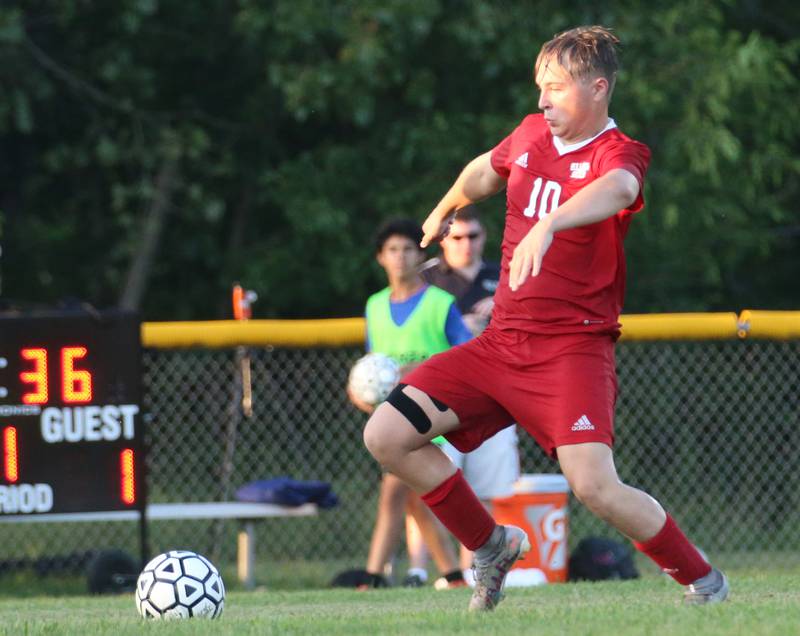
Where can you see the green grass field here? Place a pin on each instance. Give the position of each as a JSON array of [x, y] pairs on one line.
[[761, 603]]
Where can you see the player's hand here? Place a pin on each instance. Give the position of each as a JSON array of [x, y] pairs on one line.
[[436, 227], [483, 307], [477, 319], [359, 404], [475, 323], [528, 255]]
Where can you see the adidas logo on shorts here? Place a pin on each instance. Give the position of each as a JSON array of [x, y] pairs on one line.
[[583, 424]]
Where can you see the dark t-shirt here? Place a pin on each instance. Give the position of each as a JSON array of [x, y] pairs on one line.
[[437, 272]]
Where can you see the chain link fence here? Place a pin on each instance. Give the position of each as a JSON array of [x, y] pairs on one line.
[[710, 428]]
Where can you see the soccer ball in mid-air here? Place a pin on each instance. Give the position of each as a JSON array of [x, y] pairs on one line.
[[373, 377], [180, 584]]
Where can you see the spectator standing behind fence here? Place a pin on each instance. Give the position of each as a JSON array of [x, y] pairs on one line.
[[493, 467], [546, 361], [409, 321]]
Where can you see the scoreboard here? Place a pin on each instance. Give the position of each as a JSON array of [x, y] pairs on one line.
[[71, 435]]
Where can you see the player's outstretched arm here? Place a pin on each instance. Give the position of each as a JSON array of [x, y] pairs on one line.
[[477, 181], [604, 197], [601, 199]]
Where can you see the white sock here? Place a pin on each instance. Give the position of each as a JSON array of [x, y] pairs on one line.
[[492, 545]]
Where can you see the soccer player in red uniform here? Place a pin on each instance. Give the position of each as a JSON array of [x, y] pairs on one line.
[[573, 182]]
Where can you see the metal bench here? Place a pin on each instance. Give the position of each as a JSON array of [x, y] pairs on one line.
[[246, 513]]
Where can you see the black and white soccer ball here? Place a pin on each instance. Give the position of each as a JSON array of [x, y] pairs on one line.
[[180, 584], [373, 377]]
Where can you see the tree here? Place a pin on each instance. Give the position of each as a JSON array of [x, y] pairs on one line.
[[291, 129]]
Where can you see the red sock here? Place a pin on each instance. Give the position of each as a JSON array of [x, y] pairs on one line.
[[462, 513], [674, 554]]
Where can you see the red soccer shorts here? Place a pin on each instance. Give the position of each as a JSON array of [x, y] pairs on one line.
[[561, 389]]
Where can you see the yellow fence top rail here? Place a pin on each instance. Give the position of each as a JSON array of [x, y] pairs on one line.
[[694, 326], [351, 331], [229, 333], [781, 325]]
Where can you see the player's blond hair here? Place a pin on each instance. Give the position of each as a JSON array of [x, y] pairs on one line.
[[584, 52]]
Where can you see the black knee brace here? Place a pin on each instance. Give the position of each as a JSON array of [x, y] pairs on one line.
[[411, 410]]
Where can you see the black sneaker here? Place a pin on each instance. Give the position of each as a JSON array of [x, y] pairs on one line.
[[414, 580], [372, 581]]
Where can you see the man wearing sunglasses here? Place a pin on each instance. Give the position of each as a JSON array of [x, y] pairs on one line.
[[462, 271]]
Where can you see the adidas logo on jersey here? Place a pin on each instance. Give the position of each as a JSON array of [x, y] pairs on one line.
[[583, 424], [522, 160], [578, 169]]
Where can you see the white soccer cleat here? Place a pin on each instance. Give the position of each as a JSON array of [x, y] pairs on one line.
[[490, 574], [712, 588]]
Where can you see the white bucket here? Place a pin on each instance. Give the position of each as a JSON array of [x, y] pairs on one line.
[[541, 483]]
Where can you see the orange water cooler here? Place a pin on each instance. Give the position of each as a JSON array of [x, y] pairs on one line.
[[538, 506]]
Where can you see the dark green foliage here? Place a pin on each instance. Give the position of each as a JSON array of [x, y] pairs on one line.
[[296, 126]]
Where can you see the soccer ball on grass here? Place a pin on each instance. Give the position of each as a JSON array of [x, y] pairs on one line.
[[373, 377], [180, 584]]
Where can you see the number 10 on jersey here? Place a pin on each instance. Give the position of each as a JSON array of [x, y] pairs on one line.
[[543, 199]]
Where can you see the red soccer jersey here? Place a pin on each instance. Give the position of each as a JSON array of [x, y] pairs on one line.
[[581, 284]]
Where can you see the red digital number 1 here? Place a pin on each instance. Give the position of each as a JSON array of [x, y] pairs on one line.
[[127, 474], [10, 454]]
